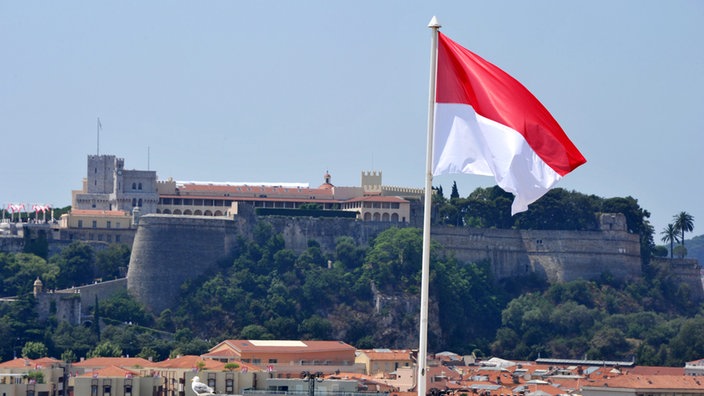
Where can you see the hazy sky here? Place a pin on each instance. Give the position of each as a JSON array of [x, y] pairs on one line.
[[283, 91]]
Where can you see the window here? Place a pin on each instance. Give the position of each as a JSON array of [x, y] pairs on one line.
[[117, 224], [80, 223], [108, 224], [139, 203], [273, 361], [134, 186], [117, 239], [140, 186], [95, 224]]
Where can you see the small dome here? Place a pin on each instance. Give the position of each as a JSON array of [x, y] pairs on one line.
[[38, 282], [326, 184]]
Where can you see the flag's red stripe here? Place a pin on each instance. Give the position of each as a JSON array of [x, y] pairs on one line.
[[464, 77]]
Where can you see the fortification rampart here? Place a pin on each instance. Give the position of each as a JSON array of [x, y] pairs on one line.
[[558, 256], [687, 271], [168, 250]]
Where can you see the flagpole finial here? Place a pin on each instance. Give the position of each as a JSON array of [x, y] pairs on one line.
[[434, 24]]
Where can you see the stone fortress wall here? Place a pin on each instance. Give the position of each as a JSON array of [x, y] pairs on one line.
[[170, 250]]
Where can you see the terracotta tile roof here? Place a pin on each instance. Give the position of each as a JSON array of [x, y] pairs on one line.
[[110, 372], [222, 353], [650, 382], [655, 370], [246, 190], [283, 346], [98, 362], [17, 363], [30, 363], [189, 362], [47, 361]]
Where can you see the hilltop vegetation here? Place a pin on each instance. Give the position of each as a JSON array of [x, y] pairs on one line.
[[368, 297]]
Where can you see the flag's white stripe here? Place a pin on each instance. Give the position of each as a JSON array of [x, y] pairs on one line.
[[466, 142]]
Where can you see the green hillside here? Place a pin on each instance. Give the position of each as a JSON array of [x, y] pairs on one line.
[[369, 296]]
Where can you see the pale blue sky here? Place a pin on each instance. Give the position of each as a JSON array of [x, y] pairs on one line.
[[283, 91]]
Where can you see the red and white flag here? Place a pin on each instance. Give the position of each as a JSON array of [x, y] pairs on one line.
[[487, 123]]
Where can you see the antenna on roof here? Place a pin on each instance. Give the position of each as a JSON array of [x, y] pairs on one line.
[[99, 127], [148, 157]]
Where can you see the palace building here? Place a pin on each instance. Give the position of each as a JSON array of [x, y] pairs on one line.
[[112, 198]]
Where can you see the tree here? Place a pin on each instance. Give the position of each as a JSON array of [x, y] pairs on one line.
[[105, 349], [669, 234], [69, 356], [148, 353], [111, 263], [75, 265], [34, 350], [455, 192], [683, 222]]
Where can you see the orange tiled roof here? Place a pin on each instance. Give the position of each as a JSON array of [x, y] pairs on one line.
[[188, 189], [650, 382], [109, 371], [29, 363], [17, 363], [98, 362], [190, 361], [655, 370], [222, 353], [283, 346]]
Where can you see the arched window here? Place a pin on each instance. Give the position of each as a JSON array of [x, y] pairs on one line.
[[394, 217], [134, 202], [139, 203], [139, 187], [134, 186]]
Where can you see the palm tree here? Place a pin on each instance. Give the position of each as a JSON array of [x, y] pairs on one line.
[[669, 234], [683, 222]]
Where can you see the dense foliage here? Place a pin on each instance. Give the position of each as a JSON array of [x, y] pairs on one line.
[[368, 296]]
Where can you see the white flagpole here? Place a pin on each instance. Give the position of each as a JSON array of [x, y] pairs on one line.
[[425, 278]]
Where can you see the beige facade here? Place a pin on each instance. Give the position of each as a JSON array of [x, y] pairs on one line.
[[384, 360], [110, 226], [25, 376]]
